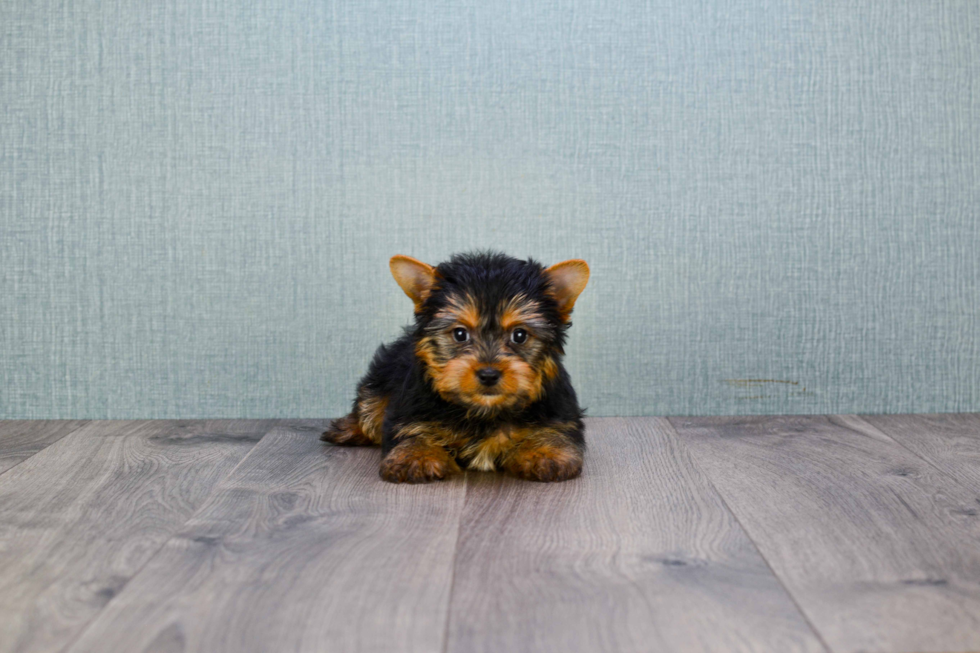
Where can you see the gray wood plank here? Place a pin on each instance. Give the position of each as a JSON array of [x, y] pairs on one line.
[[879, 548], [949, 441], [639, 554], [20, 439], [302, 548], [81, 517]]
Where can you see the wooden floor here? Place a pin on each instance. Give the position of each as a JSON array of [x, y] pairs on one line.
[[802, 533]]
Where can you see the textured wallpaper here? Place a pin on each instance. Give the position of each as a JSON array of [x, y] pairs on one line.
[[779, 200]]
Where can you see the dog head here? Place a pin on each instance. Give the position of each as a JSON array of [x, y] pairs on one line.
[[490, 329]]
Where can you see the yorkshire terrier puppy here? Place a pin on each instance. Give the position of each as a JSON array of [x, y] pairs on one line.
[[477, 382]]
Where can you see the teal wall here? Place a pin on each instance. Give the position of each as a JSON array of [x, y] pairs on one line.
[[198, 199]]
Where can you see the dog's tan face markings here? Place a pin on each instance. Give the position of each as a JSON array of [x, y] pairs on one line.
[[465, 340]]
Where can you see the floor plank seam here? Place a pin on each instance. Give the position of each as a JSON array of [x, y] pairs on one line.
[[917, 455], [19, 462], [799, 608], [452, 574], [67, 647]]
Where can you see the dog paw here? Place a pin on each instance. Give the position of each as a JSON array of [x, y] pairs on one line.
[[346, 432], [411, 463], [545, 463]]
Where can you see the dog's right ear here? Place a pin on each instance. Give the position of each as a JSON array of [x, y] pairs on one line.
[[415, 277]]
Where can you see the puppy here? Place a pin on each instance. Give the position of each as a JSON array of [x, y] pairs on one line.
[[477, 381]]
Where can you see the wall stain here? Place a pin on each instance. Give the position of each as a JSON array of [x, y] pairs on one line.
[[760, 384]]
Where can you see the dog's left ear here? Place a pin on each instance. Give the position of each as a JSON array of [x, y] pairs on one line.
[[415, 277], [567, 280]]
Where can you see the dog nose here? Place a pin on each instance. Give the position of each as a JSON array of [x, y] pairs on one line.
[[488, 375]]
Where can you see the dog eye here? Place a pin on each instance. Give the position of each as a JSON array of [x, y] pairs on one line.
[[460, 334], [519, 336]]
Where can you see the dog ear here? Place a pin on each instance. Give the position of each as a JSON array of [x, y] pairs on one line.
[[567, 280], [415, 277]]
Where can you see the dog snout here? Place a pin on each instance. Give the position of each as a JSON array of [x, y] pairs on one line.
[[488, 375]]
